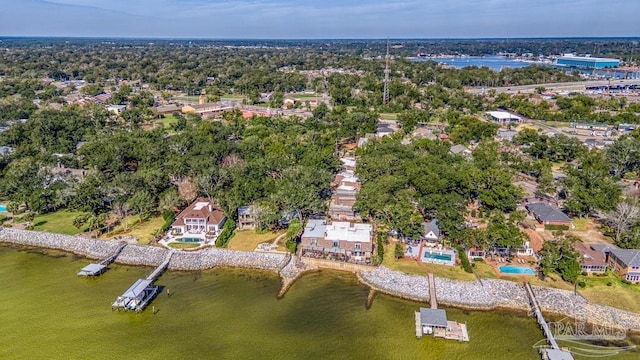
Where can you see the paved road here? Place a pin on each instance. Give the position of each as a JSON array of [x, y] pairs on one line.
[[576, 85]]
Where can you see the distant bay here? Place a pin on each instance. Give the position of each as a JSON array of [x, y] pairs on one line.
[[492, 62]]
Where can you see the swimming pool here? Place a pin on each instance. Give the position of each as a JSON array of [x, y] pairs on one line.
[[3, 208], [521, 270], [436, 256], [188, 240]]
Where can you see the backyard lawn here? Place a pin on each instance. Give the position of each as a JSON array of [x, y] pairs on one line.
[[143, 231], [247, 240], [618, 295], [60, 222], [167, 121], [389, 116], [411, 266]]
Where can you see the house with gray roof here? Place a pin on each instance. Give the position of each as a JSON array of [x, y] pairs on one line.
[[626, 263], [431, 231], [547, 215], [460, 150]]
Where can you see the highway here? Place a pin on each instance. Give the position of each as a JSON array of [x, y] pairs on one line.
[[567, 86]]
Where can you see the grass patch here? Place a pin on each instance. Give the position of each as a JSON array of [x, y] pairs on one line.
[[484, 270], [60, 222], [143, 231], [183, 245], [232, 96], [619, 295], [389, 116], [305, 96], [580, 224], [247, 240], [416, 267], [167, 121]]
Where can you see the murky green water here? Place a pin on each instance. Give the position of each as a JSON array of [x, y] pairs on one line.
[[47, 312]]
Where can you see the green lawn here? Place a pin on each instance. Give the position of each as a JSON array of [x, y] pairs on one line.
[[618, 295], [167, 121], [411, 266], [247, 240], [60, 222], [305, 96], [143, 231], [184, 245], [580, 224], [389, 116]]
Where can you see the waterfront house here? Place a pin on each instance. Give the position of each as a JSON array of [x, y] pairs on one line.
[[431, 231], [199, 218], [246, 218], [625, 263], [591, 260], [345, 241], [547, 215]]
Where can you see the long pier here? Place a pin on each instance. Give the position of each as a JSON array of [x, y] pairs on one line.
[[101, 266], [555, 352], [432, 292], [140, 294], [161, 268]]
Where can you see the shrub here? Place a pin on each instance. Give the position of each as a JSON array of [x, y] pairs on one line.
[[609, 283], [556, 227], [464, 260], [582, 284], [227, 233]]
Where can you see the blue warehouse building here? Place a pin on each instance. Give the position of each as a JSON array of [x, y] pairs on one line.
[[587, 62]]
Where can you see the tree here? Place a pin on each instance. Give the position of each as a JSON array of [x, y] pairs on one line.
[[121, 210], [559, 256], [293, 232], [622, 218], [398, 251], [142, 203]]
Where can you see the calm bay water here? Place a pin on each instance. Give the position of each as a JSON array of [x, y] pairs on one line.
[[47, 312], [492, 62]]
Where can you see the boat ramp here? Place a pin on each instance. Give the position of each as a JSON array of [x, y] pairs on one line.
[[101, 266], [140, 294]]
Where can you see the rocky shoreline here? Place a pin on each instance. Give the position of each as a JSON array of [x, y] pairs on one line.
[[487, 294], [498, 294], [142, 255]]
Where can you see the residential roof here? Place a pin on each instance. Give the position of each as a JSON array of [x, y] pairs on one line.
[[137, 288], [315, 228], [458, 149], [202, 208], [348, 231], [629, 257], [245, 210], [433, 317], [503, 115], [604, 248], [431, 226], [589, 256], [544, 213]]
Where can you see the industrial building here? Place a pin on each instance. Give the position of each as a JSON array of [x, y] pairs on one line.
[[583, 62]]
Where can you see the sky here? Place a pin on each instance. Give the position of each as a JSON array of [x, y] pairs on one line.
[[302, 19]]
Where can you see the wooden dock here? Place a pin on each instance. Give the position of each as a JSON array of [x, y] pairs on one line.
[[418, 325], [140, 294], [554, 352], [432, 292], [101, 266]]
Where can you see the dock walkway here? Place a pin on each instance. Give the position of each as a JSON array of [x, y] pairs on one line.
[[161, 268], [555, 352], [432, 292], [101, 266]]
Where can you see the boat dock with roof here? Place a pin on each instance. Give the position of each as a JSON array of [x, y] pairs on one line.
[[434, 321], [140, 294], [101, 266]]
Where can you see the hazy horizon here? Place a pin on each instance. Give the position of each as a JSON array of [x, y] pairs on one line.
[[331, 19]]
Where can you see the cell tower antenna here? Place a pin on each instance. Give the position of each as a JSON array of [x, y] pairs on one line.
[[387, 73]]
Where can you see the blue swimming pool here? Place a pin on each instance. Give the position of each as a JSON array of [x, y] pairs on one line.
[[3, 208], [436, 256], [521, 270]]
